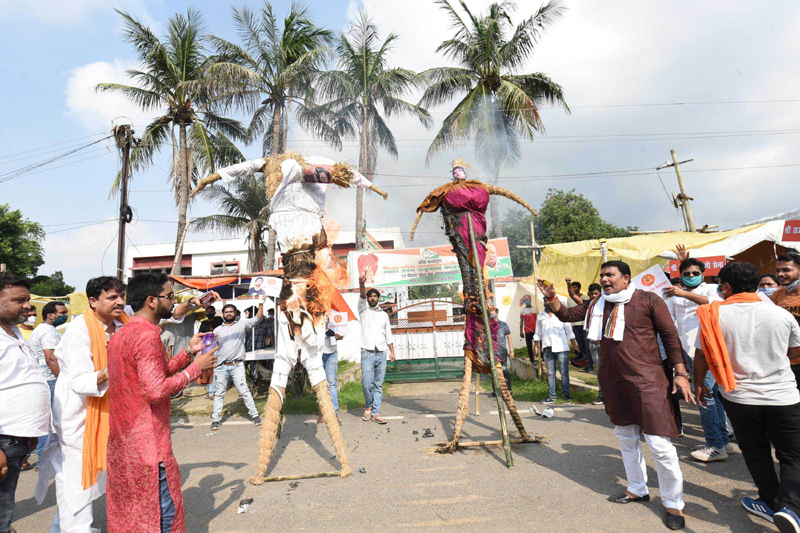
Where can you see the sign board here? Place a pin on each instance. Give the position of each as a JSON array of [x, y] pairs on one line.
[[652, 280], [337, 322], [265, 286], [422, 266], [713, 265], [791, 231]]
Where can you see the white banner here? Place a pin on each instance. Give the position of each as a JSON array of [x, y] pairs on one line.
[[265, 286], [337, 322], [652, 280]]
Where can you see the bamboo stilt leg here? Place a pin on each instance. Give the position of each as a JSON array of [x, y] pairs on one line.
[[269, 434], [332, 423], [512, 408], [463, 408]]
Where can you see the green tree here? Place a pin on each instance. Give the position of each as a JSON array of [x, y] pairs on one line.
[[20, 242], [278, 66], [443, 290], [355, 94], [53, 285], [180, 79], [244, 207], [500, 108], [517, 228], [569, 217]]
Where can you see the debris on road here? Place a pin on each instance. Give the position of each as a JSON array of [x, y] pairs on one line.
[[244, 505]]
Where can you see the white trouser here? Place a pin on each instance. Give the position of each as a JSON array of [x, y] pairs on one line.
[[670, 479], [65, 521], [286, 355]]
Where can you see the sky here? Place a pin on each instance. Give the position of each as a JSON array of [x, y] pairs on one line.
[[714, 81]]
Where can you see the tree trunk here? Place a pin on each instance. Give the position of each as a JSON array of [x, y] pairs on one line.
[[275, 149], [363, 168], [495, 224], [183, 200], [270, 262], [258, 257]]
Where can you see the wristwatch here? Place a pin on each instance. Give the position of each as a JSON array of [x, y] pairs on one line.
[[189, 352], [681, 375]]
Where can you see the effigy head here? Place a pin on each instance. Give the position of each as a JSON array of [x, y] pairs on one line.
[[459, 169]]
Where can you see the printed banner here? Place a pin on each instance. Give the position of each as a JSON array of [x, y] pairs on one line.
[[652, 280], [713, 265], [338, 322], [791, 231], [422, 266], [265, 286]]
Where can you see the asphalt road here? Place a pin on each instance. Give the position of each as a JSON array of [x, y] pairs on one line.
[[558, 485]]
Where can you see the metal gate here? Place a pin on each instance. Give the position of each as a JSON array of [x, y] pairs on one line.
[[428, 342]]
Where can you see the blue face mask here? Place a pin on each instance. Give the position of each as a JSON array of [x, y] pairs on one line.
[[59, 320], [692, 282], [768, 290]]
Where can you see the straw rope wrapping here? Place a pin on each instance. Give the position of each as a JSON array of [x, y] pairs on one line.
[[512, 409], [463, 408], [332, 423], [269, 434], [505, 193]]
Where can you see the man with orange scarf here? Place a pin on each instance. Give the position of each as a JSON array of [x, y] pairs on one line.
[[747, 344]]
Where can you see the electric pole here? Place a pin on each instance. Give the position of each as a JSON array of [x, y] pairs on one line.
[[123, 135], [683, 197]]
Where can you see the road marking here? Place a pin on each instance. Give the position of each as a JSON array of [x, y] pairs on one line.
[[440, 415], [455, 500], [448, 522]]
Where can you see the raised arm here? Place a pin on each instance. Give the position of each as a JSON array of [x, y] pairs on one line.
[[414, 227], [563, 313], [499, 191]]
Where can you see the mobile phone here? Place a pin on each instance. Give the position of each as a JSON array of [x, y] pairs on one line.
[[206, 298]]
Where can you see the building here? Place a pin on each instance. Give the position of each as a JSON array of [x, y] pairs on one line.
[[229, 256]]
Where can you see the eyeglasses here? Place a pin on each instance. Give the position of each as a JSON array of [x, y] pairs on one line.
[[692, 274], [170, 296]]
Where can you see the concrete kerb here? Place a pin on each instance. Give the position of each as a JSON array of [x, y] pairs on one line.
[[352, 374]]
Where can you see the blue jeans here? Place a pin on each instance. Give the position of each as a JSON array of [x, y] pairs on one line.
[[712, 416], [43, 440], [330, 361], [373, 370], [15, 449], [165, 500], [212, 386], [563, 366], [222, 374]]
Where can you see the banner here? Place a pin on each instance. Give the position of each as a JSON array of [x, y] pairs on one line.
[[337, 321], [713, 265], [791, 231], [265, 286], [422, 266], [652, 280]]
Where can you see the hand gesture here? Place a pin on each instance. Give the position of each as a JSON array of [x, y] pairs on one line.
[[673, 291], [3, 465], [569, 281], [337, 336], [682, 384], [206, 361], [681, 252], [701, 392], [362, 278], [196, 342], [547, 288]]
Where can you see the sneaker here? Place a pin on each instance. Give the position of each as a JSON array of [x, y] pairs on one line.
[[787, 521], [256, 420], [214, 426], [548, 401], [319, 419], [729, 448], [707, 454], [598, 401], [567, 401], [758, 508]]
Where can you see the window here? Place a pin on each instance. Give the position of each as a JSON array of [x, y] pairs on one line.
[[225, 267]]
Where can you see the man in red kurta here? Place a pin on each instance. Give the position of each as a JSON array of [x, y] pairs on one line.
[[143, 490]]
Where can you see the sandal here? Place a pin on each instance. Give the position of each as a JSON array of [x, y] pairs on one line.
[[367, 415], [378, 419]]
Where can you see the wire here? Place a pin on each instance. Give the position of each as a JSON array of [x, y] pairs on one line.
[[51, 145], [103, 258], [55, 167], [28, 170], [80, 227]]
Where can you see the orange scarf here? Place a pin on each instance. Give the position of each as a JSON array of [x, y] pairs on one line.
[[714, 348], [95, 432]]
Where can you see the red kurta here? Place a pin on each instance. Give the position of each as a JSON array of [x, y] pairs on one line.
[[140, 385]]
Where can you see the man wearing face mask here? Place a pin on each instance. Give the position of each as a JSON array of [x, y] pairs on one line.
[[684, 308], [768, 284], [788, 295], [27, 327], [43, 342]]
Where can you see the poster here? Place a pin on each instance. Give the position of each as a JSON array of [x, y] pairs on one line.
[[422, 266], [652, 280], [791, 231], [337, 322], [713, 265], [265, 286]]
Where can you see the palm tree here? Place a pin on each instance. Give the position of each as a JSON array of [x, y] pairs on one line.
[[183, 82], [243, 207], [500, 107], [277, 67], [356, 92]]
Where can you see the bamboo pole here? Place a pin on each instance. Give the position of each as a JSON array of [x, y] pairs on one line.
[[302, 476], [476, 443], [537, 356], [477, 395], [495, 378]]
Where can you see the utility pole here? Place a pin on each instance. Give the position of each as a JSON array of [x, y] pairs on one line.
[[123, 135], [683, 197]]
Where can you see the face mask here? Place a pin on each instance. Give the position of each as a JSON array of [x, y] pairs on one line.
[[792, 286], [546, 308], [31, 321], [692, 282], [767, 290], [59, 320]]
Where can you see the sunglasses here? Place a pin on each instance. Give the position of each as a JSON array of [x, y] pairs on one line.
[[691, 274], [170, 296]]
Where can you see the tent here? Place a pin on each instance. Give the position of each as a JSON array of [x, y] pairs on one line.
[[758, 244]]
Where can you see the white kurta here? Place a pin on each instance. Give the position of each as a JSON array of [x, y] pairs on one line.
[[286, 354], [63, 456]]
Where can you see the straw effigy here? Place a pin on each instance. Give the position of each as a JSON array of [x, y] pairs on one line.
[[332, 424], [269, 434]]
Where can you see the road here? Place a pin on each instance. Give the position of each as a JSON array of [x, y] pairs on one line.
[[558, 485]]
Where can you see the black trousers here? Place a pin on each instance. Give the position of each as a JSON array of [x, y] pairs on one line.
[[529, 344], [759, 426], [674, 399], [580, 340], [796, 371]]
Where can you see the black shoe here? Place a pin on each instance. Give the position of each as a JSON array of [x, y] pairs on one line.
[[214, 426], [674, 522], [256, 420], [623, 497]]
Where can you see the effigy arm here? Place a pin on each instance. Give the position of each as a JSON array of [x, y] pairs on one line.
[[373, 188], [499, 191], [414, 228], [205, 182]]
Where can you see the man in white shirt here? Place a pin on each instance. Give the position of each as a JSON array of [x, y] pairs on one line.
[[230, 362], [764, 403], [376, 339], [24, 395], [684, 304], [554, 338], [330, 361], [43, 342]]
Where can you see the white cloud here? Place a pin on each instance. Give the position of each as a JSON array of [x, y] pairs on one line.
[[60, 13], [95, 111]]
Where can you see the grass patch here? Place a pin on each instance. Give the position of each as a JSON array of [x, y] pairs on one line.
[[589, 380], [536, 391], [345, 365]]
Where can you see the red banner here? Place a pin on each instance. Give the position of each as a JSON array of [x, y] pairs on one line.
[[713, 266], [791, 231]]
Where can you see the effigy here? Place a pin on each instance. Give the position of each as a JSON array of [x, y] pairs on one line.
[[297, 187], [463, 204]]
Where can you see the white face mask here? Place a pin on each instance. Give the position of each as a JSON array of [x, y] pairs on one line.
[[792, 286], [31, 321], [768, 290]]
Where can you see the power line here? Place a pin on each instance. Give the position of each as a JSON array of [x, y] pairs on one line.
[[80, 227], [52, 168], [56, 144]]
